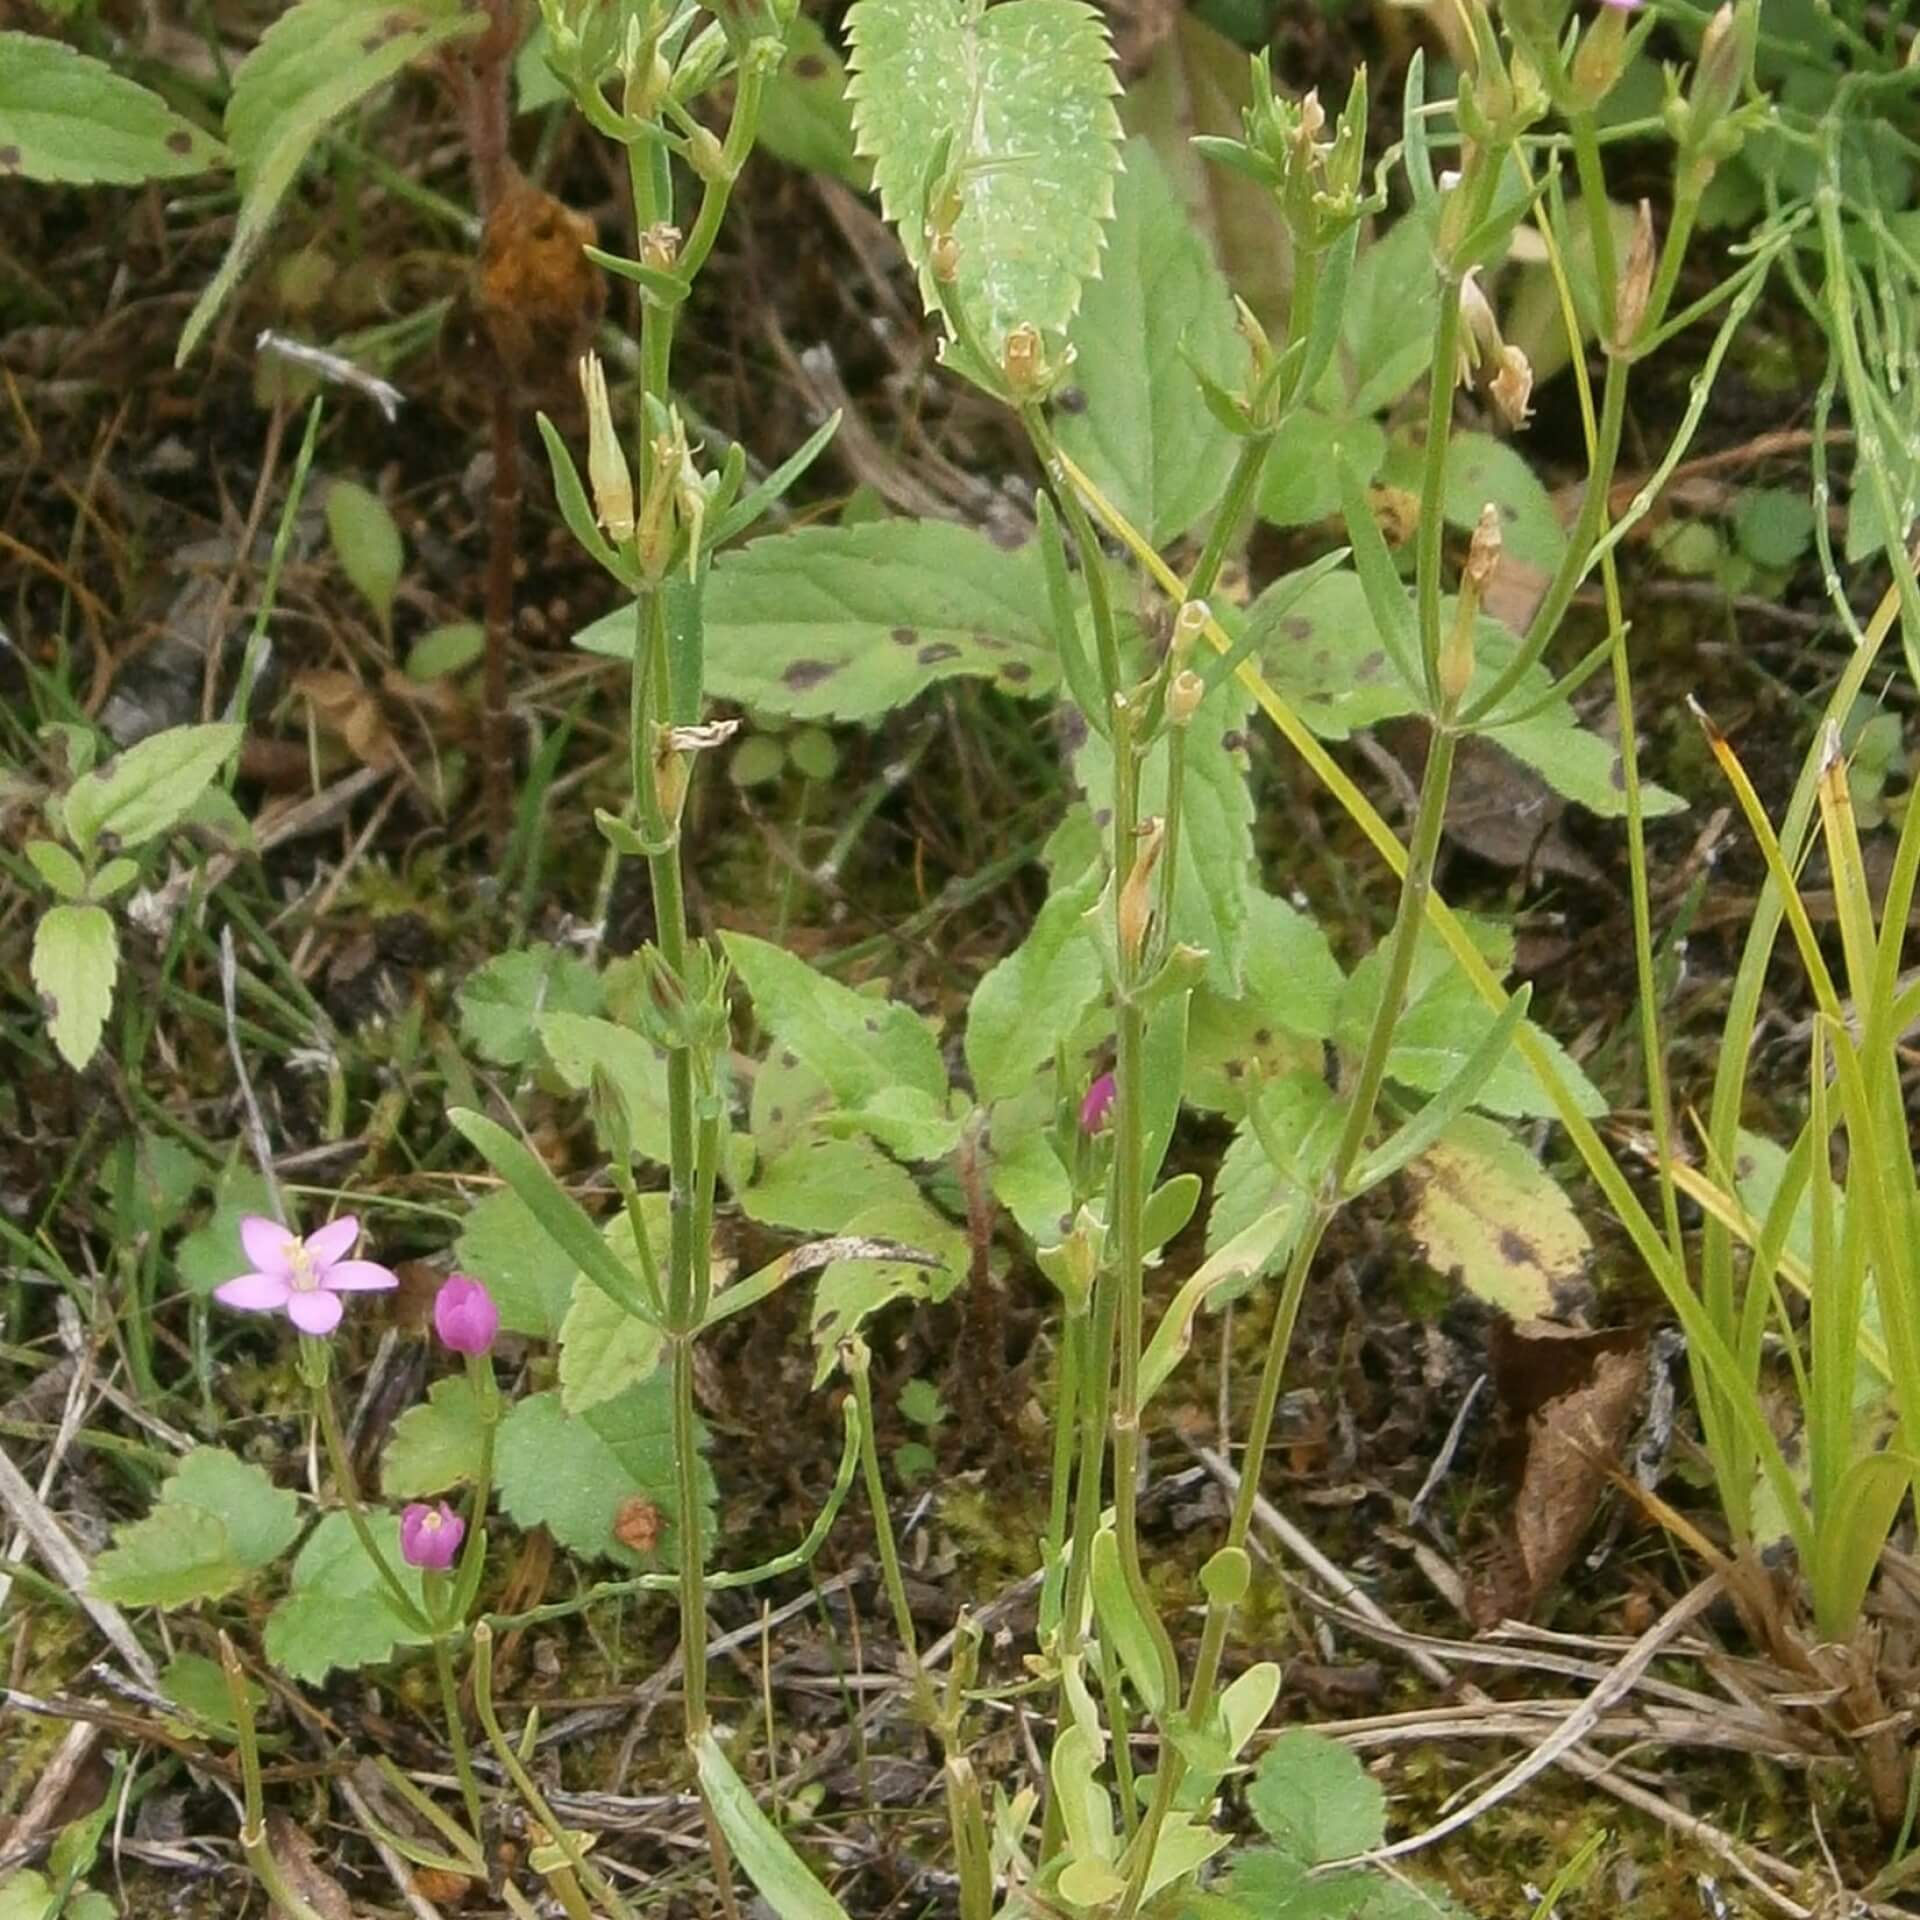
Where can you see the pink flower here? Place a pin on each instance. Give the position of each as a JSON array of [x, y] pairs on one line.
[[464, 1315], [430, 1536], [302, 1278], [1093, 1109], [1624, 6]]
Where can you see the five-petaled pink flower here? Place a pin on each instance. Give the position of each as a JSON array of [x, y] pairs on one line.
[[464, 1315], [430, 1536], [1094, 1108], [302, 1278]]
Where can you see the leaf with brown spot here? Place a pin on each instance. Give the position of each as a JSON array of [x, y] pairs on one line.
[[1487, 1212]]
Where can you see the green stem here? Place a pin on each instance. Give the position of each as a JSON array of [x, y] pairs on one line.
[[349, 1492], [1599, 211], [1093, 565], [1241, 487], [601, 1887], [457, 1735]]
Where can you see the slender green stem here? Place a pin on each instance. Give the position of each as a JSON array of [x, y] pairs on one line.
[[457, 1735], [1093, 566], [1599, 212], [349, 1491], [601, 1887], [1242, 484], [253, 1828]]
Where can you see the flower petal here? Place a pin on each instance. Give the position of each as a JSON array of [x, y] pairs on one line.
[[359, 1276], [269, 1245], [333, 1242], [316, 1312], [254, 1292]]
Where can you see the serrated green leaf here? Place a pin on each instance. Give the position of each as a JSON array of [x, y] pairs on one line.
[[814, 1183], [909, 1122], [1486, 1211], [338, 1611], [849, 623], [805, 118], [578, 1045], [76, 955], [139, 794], [435, 1444], [862, 1047], [573, 1475], [367, 544], [1023, 92], [1300, 1116], [65, 116], [603, 1349], [218, 1518], [1145, 433], [1277, 1024], [1482, 469], [1301, 482], [503, 1244], [198, 1687], [777, 1872], [317, 59], [1388, 320], [1314, 1800], [849, 1292], [1033, 997], [168, 1560], [28, 1895], [261, 1519], [502, 1002]]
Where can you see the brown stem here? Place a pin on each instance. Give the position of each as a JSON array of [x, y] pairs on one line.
[[491, 168]]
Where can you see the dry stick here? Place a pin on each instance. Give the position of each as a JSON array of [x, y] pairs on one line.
[[402, 1874], [488, 166]]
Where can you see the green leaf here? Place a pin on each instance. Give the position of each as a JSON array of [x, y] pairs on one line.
[[1123, 1625], [1277, 1024], [1301, 482], [804, 116], [1482, 469], [141, 793], [76, 954], [198, 1687], [442, 651], [604, 1350], [367, 543], [1314, 1800], [1774, 525], [859, 1045], [1033, 998], [1145, 433], [504, 1244], [58, 868], [579, 1045], [849, 1292], [1021, 95], [435, 1444], [211, 1253], [813, 1184], [317, 60], [1300, 1115], [65, 116], [850, 623], [779, 1874], [1486, 1211], [1390, 306], [502, 1002], [566, 1224], [573, 1475], [338, 1611], [218, 1518]]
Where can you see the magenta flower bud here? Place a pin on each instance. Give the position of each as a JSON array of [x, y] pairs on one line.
[[465, 1315], [430, 1536], [1094, 1108]]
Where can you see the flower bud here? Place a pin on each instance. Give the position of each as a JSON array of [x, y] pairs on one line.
[[430, 1536], [465, 1315], [1726, 55], [1023, 359], [943, 254], [706, 156], [606, 464], [1095, 1108], [660, 246], [1602, 55]]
